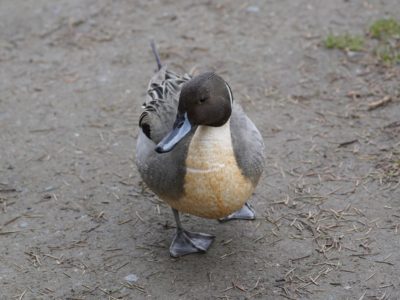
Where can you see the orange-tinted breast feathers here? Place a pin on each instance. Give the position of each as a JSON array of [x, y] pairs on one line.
[[214, 186]]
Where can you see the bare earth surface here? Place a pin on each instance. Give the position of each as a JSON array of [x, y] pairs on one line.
[[76, 219]]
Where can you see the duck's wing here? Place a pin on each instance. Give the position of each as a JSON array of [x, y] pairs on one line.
[[161, 103], [248, 145]]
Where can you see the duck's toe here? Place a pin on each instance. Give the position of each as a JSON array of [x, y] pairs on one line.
[[245, 213], [186, 242]]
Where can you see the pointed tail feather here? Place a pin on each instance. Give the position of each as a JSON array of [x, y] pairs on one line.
[[156, 55]]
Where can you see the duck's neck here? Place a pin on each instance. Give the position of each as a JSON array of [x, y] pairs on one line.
[[209, 135], [210, 149]]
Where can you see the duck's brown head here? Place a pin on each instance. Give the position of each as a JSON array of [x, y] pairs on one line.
[[204, 100]]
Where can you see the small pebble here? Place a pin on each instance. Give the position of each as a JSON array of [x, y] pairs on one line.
[[253, 9], [354, 55], [131, 278], [23, 224]]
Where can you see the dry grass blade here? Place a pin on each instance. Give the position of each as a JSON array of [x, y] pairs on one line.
[[22, 295], [374, 105], [362, 296], [134, 286], [11, 220], [369, 277]]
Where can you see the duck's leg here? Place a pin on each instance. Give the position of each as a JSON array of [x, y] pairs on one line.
[[186, 242], [245, 213]]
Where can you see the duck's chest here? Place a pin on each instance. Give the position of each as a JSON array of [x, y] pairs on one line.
[[213, 185]]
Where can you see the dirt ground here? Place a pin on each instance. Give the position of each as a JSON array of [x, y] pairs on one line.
[[76, 222]]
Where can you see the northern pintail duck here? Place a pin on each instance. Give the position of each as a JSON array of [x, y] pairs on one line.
[[198, 151]]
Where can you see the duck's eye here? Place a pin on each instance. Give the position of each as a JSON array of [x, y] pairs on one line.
[[202, 100]]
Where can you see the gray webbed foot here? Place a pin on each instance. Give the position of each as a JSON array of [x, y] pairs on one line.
[[186, 242], [245, 213]]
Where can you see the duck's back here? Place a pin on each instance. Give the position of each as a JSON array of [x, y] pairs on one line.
[[161, 103]]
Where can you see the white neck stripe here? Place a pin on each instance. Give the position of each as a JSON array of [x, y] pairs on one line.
[[230, 93]]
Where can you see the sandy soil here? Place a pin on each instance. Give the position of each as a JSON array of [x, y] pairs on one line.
[[76, 219]]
